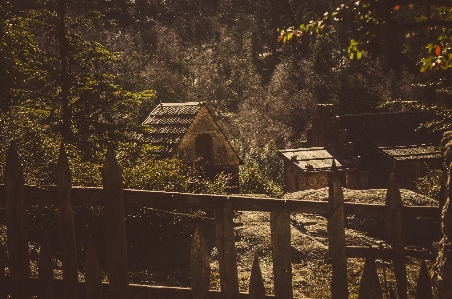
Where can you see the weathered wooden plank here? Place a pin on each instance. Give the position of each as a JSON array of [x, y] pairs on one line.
[[282, 259], [336, 235], [45, 268], [424, 283], [92, 196], [67, 227], [93, 274], [369, 287], [115, 229], [257, 289], [2, 272], [157, 292], [395, 231], [392, 294], [227, 256], [19, 260], [386, 253], [199, 266]]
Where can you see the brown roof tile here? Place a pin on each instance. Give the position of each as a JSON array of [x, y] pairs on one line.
[[314, 158], [169, 122]]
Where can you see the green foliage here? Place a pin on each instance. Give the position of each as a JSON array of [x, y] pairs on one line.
[[171, 175], [18, 54], [262, 172], [372, 17], [430, 184]]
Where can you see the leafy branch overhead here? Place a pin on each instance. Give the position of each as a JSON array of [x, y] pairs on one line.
[[432, 18]]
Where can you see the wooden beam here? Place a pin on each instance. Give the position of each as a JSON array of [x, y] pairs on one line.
[[396, 232], [19, 261], [336, 236], [92, 196], [45, 268], [227, 256], [115, 228], [281, 254], [67, 226], [386, 253], [150, 291], [199, 266]]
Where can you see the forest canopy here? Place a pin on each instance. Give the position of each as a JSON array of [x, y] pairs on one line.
[[88, 72]]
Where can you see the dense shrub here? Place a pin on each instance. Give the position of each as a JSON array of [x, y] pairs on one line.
[[262, 172]]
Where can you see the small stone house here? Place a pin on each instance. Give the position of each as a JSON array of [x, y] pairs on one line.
[[385, 143], [188, 131]]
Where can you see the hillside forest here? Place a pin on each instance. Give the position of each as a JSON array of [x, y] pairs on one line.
[[87, 73]]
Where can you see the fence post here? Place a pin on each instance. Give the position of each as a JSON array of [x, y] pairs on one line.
[[2, 272], [227, 256], [67, 228], [395, 231], [19, 260], [424, 283], [282, 259], [45, 268], [336, 235], [257, 289], [199, 266], [93, 275], [369, 287], [115, 229]]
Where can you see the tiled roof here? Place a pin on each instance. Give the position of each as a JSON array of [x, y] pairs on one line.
[[314, 158], [396, 134], [405, 149], [169, 123]]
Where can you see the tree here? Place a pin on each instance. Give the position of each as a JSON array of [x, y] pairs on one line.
[[84, 102], [19, 52]]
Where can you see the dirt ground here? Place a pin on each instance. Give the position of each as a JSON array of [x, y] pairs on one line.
[[310, 267]]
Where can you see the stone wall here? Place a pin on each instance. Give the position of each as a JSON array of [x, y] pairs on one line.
[[222, 158]]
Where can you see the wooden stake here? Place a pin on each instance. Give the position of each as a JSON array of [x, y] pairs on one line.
[[336, 235], [67, 227], [19, 260], [369, 287], [115, 228], [257, 289], [45, 269], [227, 256], [199, 266], [392, 294], [395, 231], [282, 259], [93, 274], [2, 272], [424, 283]]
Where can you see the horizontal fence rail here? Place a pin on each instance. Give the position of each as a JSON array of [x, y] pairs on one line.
[[93, 196]]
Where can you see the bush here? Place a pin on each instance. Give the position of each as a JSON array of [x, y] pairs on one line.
[[262, 172], [430, 184]]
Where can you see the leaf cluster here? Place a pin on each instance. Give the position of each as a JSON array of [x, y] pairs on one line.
[[371, 17]]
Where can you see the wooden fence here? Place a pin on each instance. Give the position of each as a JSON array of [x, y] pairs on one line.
[[15, 197]]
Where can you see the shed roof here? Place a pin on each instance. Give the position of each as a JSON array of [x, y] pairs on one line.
[[314, 159], [169, 123], [398, 135]]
